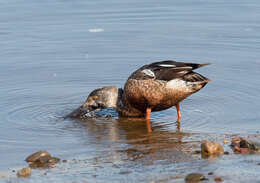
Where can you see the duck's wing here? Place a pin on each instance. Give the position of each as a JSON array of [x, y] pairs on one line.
[[165, 70]]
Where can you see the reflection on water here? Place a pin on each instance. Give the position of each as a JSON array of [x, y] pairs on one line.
[[131, 137]]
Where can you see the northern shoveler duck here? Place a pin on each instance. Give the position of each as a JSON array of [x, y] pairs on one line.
[[154, 87]]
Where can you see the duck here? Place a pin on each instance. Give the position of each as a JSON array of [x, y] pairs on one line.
[[153, 87]]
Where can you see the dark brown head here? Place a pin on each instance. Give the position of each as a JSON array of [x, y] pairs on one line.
[[98, 99]]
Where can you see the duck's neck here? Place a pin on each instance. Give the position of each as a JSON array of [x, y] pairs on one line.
[[123, 107]]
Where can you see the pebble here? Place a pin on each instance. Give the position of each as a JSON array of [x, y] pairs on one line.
[[236, 141], [25, 172], [42, 156], [244, 150], [125, 172], [194, 178], [211, 149], [218, 179], [243, 146], [42, 159]]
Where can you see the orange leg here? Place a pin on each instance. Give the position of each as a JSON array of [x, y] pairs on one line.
[[148, 113], [178, 111], [148, 126], [148, 122]]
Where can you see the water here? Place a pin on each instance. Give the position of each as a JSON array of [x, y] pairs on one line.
[[53, 53]]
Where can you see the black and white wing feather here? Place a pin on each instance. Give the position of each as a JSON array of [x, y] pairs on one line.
[[168, 70]]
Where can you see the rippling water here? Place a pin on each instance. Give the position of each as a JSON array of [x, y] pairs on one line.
[[53, 53]]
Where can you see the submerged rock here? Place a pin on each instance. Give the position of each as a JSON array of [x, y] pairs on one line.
[[24, 172], [41, 159], [218, 179], [210, 149], [194, 178], [243, 146], [42, 156], [210, 173], [226, 153]]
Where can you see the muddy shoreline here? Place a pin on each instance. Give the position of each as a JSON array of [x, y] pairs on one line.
[[151, 157]]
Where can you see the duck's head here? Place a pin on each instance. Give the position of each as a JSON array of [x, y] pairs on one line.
[[98, 99]]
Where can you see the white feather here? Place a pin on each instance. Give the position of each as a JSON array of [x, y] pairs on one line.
[[148, 72], [183, 72], [167, 65], [177, 84]]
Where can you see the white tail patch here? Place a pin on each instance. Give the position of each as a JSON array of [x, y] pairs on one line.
[[167, 65], [148, 72], [178, 84]]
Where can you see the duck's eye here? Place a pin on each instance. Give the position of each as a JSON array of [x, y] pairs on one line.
[[95, 97]]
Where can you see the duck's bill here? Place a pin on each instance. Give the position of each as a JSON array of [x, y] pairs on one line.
[[83, 109]]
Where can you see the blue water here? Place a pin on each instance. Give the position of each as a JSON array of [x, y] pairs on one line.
[[53, 53]]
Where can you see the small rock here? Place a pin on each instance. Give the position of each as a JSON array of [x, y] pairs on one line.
[[210, 149], [42, 159], [210, 173], [125, 172], [25, 172], [226, 153], [218, 179], [247, 144], [194, 178], [64, 161], [244, 150], [236, 141], [236, 149], [42, 156], [243, 146]]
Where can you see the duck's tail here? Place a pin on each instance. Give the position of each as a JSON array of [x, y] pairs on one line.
[[196, 78], [196, 66]]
